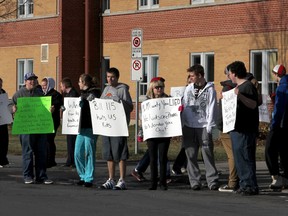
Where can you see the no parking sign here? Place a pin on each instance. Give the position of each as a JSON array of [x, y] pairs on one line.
[[137, 69]]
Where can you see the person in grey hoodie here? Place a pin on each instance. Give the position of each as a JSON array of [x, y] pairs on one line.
[[48, 88], [115, 149], [198, 118]]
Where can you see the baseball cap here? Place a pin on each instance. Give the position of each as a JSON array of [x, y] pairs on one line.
[[30, 75], [279, 69]]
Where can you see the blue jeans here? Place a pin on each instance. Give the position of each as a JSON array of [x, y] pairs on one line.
[[85, 149], [244, 151], [37, 144]]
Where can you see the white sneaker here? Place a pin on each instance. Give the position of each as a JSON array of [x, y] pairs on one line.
[[120, 185], [109, 184], [277, 182]]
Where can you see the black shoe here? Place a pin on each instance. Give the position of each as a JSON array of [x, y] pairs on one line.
[[51, 164], [214, 187], [196, 187], [88, 184], [247, 191], [153, 188], [163, 187], [80, 183]]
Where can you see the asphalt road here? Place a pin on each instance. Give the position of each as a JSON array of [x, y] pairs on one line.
[[64, 197]]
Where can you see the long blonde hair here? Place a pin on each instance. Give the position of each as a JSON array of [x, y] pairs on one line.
[[152, 85]]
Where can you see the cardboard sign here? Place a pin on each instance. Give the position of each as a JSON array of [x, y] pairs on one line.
[[71, 115]]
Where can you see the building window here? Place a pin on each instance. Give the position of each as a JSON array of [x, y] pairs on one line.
[[44, 52], [105, 66], [150, 70], [207, 61], [148, 4], [261, 65], [201, 1], [25, 8], [23, 66], [106, 6]]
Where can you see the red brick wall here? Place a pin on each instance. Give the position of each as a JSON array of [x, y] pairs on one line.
[[29, 32], [227, 19]]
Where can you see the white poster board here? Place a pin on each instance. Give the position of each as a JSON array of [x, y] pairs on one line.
[[5, 114], [108, 118], [161, 117], [71, 115], [229, 106], [264, 115], [177, 91]]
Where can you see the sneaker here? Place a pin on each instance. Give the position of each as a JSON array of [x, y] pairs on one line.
[[247, 191], [138, 175], [225, 188], [88, 184], [196, 187], [177, 172], [47, 182], [28, 181], [277, 182], [120, 185], [109, 184], [80, 183], [214, 187]]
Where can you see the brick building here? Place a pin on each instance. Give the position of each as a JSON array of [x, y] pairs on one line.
[[92, 35]]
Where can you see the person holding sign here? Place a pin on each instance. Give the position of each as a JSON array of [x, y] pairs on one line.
[[32, 143], [69, 91], [48, 88], [158, 147], [85, 146], [115, 149], [198, 118], [4, 138], [276, 144], [244, 135]]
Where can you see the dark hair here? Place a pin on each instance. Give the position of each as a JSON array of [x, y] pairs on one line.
[[197, 69], [115, 71], [66, 82], [88, 80], [239, 69]]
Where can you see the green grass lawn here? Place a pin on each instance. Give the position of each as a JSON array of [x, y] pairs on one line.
[[175, 146]]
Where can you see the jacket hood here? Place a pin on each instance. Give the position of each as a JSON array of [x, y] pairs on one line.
[[50, 84], [122, 85]]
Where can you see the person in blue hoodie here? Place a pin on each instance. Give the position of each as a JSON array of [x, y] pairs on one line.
[[276, 144]]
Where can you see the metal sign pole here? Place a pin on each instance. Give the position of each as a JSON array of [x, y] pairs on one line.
[[137, 117]]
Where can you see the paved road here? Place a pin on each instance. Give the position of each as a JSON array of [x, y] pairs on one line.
[[64, 197]]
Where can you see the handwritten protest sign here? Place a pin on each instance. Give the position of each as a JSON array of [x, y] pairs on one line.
[[5, 115], [177, 91], [71, 115], [33, 116], [229, 105], [108, 118], [161, 118], [264, 115]]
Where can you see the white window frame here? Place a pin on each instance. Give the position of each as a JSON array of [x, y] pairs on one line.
[[28, 8], [202, 59], [44, 52], [193, 2], [148, 4], [106, 6], [269, 59], [150, 70], [23, 66]]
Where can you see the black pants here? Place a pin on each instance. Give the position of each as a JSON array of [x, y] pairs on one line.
[[277, 146], [70, 149], [4, 140], [180, 161], [161, 145]]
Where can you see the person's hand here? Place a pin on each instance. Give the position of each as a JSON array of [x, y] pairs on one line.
[[116, 98], [52, 109], [14, 108], [209, 129], [220, 95], [181, 108]]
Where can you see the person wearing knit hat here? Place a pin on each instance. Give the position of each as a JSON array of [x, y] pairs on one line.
[[276, 145]]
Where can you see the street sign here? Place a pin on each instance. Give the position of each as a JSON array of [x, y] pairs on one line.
[[137, 69], [136, 42]]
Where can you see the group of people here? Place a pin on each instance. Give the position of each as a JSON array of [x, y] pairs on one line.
[[198, 115]]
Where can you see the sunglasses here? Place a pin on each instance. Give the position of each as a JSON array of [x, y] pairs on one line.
[[159, 87]]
